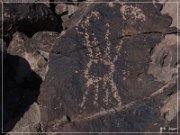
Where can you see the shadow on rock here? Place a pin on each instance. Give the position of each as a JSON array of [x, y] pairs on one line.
[[20, 89], [28, 18]]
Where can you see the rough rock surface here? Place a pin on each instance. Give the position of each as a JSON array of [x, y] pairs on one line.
[[113, 69], [28, 56], [29, 122], [99, 77], [28, 18], [65, 11], [172, 9], [35, 50], [164, 59], [20, 89]]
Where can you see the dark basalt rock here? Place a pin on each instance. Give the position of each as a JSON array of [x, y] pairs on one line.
[[100, 66], [28, 18], [135, 118]]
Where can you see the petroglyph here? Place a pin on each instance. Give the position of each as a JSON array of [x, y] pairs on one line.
[[129, 11], [99, 58], [95, 15], [99, 78]]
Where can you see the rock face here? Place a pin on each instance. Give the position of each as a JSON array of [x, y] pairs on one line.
[[28, 18], [35, 50], [164, 59], [29, 122], [65, 11], [100, 76], [24, 69], [20, 89], [113, 67], [171, 8]]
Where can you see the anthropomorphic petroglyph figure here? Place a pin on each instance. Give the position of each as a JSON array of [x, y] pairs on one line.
[[96, 57]]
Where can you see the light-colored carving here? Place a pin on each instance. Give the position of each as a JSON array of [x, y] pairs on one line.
[[132, 12], [95, 15], [98, 56]]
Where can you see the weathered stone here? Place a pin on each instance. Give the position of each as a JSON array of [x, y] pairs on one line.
[[169, 110], [65, 8], [101, 64], [20, 89], [61, 9], [113, 70], [171, 8], [29, 122], [131, 118], [23, 71], [164, 59], [35, 50], [28, 18], [65, 11]]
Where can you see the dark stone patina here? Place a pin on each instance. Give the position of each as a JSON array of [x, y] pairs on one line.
[[28, 18], [100, 67]]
